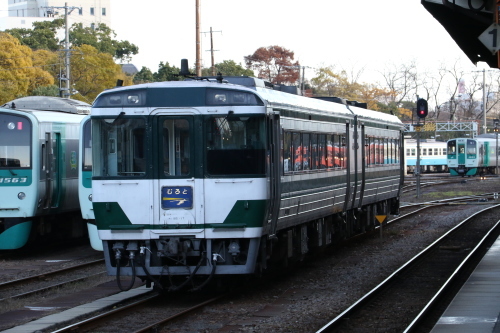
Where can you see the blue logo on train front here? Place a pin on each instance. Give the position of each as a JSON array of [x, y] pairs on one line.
[[176, 197]]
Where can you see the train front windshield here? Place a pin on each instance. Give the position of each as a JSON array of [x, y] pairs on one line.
[[15, 142], [120, 147], [452, 148], [131, 147]]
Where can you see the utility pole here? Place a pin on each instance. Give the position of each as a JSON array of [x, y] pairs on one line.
[[198, 40], [65, 92], [484, 100], [212, 49]]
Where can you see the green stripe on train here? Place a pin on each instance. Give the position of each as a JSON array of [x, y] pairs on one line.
[[244, 214]]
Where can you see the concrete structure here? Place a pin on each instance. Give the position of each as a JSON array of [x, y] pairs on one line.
[[22, 13]]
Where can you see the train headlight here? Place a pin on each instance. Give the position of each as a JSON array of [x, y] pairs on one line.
[[90, 197], [21, 195]]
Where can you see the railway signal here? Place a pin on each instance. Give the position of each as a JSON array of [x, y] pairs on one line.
[[422, 108]]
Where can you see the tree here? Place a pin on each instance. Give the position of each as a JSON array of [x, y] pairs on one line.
[[94, 72], [143, 76], [51, 90], [102, 38], [402, 80], [18, 76], [166, 73], [228, 68], [274, 63], [41, 37]]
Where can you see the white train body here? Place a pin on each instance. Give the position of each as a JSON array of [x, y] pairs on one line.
[[432, 156], [197, 178]]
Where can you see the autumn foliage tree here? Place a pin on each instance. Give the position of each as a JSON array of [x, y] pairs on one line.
[[93, 71], [275, 64], [18, 71]]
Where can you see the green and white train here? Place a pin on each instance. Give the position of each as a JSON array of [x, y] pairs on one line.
[[39, 170], [473, 156], [205, 178]]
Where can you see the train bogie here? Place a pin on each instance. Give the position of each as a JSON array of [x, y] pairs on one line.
[[198, 179]]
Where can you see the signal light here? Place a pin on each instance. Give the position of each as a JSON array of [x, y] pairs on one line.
[[422, 109]]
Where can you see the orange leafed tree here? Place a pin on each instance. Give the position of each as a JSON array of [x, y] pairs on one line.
[[275, 64]]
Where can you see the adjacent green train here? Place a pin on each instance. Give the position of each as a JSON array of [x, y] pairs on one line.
[[473, 156], [39, 158]]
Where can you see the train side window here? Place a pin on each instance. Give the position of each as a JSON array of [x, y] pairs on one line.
[[235, 145], [306, 151], [413, 152], [322, 151], [314, 151], [329, 151], [424, 151], [297, 151], [287, 152]]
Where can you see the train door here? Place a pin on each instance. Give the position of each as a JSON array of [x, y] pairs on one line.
[[274, 168], [51, 151], [181, 193], [461, 153]]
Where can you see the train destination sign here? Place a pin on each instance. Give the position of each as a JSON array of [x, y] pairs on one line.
[[176, 197]]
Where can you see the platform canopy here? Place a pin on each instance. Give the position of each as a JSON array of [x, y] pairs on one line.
[[465, 21]]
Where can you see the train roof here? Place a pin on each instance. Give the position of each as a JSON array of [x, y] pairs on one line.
[[274, 97], [48, 103]]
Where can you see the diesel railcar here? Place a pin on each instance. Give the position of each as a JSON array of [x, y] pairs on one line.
[[473, 156], [196, 179], [38, 169], [433, 157]]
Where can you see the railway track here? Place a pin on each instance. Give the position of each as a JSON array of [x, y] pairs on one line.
[[396, 303], [109, 321], [159, 309], [26, 284]]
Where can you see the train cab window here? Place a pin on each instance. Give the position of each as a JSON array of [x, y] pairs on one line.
[[471, 147], [15, 141], [235, 145], [451, 147], [120, 147]]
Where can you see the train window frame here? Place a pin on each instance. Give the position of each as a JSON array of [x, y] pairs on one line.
[[175, 146], [114, 143], [241, 137], [13, 125]]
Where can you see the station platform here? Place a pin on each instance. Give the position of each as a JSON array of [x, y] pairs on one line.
[[476, 308]]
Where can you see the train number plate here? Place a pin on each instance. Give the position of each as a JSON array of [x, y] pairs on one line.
[[176, 197]]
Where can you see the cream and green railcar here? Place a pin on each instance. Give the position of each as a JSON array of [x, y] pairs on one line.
[[38, 170], [196, 179]]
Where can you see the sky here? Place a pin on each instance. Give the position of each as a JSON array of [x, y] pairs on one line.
[[349, 34]]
